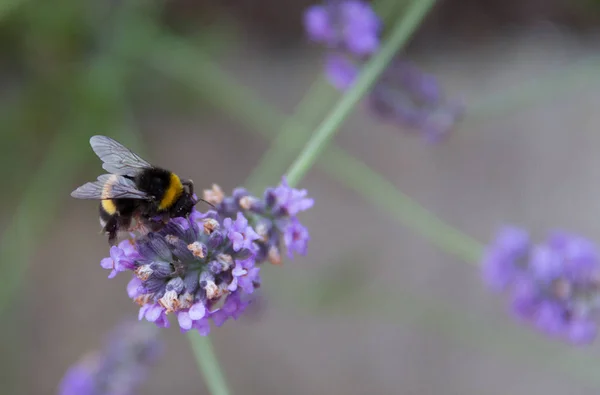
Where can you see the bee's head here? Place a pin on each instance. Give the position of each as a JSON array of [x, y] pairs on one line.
[[184, 205]]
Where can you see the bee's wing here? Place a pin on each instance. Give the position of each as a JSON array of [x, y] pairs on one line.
[[117, 159], [109, 186]]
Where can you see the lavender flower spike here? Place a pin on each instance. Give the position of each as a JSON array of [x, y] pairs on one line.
[[206, 267], [554, 286], [405, 95], [274, 217], [350, 25], [119, 367]]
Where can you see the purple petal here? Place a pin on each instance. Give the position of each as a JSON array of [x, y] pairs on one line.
[[361, 43], [545, 264], [143, 310], [133, 287], [202, 326], [154, 313], [318, 25], [340, 72], [185, 321], [107, 263], [197, 311], [582, 332]]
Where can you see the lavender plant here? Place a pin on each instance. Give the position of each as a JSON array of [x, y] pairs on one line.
[[205, 268], [350, 31], [119, 367]]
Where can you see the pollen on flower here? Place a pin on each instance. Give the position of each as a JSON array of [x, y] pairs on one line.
[[142, 299], [171, 239], [210, 225], [212, 290], [197, 249], [143, 272], [274, 256], [247, 202], [214, 195], [170, 301], [262, 230]]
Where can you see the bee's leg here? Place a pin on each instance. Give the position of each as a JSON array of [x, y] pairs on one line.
[[189, 184], [152, 225], [125, 223], [111, 228]]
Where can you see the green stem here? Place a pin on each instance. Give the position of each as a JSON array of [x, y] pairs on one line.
[[382, 194], [401, 32], [538, 90], [208, 363]]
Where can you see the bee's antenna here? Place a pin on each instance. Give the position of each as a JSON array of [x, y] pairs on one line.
[[190, 184], [205, 201]]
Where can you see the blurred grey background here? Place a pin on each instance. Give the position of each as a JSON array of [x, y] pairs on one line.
[[374, 308]]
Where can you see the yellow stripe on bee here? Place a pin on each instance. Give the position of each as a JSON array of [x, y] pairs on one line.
[[174, 190], [109, 206], [107, 187]]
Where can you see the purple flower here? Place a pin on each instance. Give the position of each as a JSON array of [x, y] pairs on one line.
[[340, 71], [554, 286], [239, 232], [233, 307], [344, 25], [361, 27], [410, 97], [503, 258], [291, 200], [118, 262], [404, 94], [295, 238], [120, 367], [204, 268], [318, 24], [273, 220]]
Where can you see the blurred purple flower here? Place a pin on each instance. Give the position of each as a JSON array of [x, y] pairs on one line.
[[350, 26], [410, 97], [505, 257], [554, 286], [120, 367], [340, 71], [318, 25], [403, 94]]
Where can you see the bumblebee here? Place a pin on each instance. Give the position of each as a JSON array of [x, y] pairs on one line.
[[134, 189]]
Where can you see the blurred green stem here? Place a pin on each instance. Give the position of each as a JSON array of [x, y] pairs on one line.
[[208, 363], [544, 87], [402, 30]]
